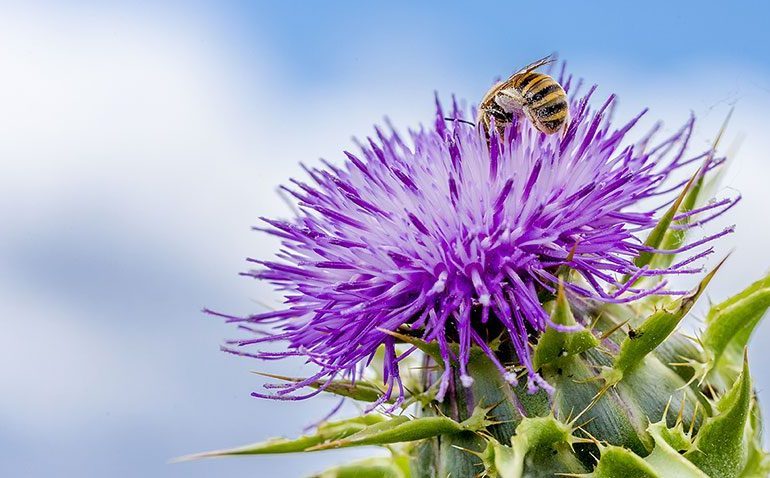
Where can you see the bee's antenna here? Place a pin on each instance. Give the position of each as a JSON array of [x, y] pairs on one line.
[[461, 121]]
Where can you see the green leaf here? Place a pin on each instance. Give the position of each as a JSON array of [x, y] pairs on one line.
[[360, 390], [554, 344], [666, 458], [665, 461], [377, 467], [658, 233], [653, 331], [721, 446], [617, 462], [533, 435], [326, 432], [758, 462], [729, 327], [403, 429]]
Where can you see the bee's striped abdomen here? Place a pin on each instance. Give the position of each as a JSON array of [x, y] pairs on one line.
[[546, 101]]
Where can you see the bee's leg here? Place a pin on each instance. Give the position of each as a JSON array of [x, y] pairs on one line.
[[484, 117]]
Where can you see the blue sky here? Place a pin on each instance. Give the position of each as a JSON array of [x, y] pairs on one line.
[[308, 35], [139, 143]]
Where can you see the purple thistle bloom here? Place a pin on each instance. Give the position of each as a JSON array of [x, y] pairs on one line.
[[451, 234]]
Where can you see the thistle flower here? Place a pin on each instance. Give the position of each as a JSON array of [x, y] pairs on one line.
[[460, 238], [515, 253]]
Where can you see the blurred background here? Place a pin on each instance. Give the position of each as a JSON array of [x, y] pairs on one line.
[[139, 141]]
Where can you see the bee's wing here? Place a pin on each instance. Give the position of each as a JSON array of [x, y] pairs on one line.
[[535, 65]]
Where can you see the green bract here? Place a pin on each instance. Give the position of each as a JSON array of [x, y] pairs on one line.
[[633, 398]]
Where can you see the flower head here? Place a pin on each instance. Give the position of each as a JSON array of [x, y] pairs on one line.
[[452, 234]]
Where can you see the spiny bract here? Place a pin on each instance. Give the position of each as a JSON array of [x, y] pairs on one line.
[[426, 276]]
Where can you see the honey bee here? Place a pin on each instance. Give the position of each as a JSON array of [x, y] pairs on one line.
[[526, 93]]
